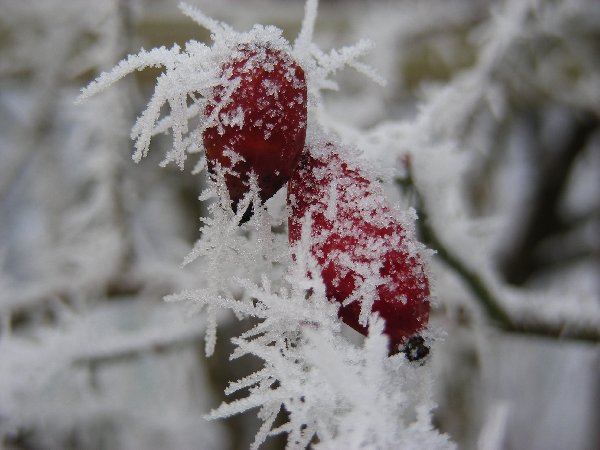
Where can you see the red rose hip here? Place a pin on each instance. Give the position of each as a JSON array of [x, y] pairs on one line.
[[361, 248], [261, 124]]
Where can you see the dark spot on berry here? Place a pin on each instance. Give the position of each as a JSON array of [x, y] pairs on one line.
[[415, 349]]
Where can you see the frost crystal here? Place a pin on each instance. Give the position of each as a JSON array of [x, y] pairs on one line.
[[333, 393], [191, 74]]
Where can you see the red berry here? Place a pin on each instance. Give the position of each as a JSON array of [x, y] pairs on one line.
[[263, 121], [360, 247]]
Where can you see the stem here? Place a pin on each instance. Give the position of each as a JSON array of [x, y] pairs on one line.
[[482, 292]]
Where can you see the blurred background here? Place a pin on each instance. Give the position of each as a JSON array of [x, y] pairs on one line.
[[92, 358]]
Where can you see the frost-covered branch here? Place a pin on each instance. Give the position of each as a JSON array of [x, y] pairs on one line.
[[482, 288], [492, 305]]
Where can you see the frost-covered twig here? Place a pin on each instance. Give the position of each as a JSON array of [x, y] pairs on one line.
[[493, 307], [482, 289]]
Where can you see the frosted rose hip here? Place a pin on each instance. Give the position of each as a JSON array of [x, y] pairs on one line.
[[361, 248], [263, 121]]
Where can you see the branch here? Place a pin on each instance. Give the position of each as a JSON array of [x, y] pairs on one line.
[[18, 304], [492, 306], [140, 345]]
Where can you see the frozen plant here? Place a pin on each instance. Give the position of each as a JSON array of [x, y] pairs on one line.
[[488, 127], [318, 387]]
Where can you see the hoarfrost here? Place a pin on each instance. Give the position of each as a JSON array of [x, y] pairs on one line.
[[192, 73], [349, 396]]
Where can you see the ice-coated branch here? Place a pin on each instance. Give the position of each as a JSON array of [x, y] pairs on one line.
[[482, 290], [492, 305]]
